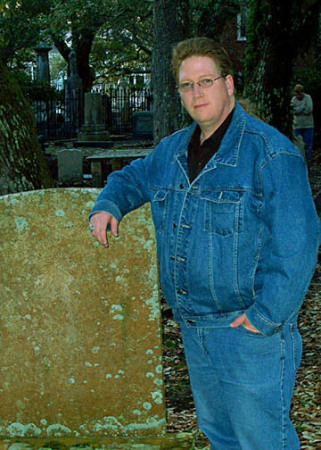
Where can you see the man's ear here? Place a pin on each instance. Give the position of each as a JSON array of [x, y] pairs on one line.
[[229, 82]]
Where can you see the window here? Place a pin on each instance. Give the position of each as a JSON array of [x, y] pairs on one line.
[[241, 31]]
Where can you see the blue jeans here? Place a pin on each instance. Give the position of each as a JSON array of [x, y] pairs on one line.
[[307, 136], [242, 385]]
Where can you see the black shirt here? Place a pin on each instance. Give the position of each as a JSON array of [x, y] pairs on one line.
[[198, 155]]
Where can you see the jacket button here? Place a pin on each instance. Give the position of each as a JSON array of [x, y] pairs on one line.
[[173, 258], [181, 291], [174, 225], [181, 186]]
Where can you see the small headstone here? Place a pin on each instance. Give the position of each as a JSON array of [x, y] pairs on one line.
[[143, 124], [70, 167]]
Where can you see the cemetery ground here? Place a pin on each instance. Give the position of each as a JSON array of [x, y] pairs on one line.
[[306, 406]]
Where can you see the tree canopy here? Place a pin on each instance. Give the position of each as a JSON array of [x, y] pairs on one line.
[[109, 37], [115, 38]]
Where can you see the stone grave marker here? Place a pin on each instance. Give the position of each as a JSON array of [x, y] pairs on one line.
[[70, 169], [80, 331], [143, 124], [95, 126]]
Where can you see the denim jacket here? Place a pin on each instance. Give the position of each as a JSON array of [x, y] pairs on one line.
[[242, 237]]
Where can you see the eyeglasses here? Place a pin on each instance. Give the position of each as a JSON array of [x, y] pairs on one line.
[[204, 83]]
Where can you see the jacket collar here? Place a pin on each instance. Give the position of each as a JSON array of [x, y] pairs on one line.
[[228, 151]]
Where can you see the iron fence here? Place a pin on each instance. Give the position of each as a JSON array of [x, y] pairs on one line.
[[59, 119], [121, 105], [64, 119]]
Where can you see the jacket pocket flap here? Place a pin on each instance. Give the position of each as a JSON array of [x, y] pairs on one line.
[[160, 196]]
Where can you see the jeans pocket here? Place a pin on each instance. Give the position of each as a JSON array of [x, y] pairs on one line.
[[296, 341], [251, 333]]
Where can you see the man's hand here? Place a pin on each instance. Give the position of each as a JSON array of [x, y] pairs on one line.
[[99, 222], [243, 320]]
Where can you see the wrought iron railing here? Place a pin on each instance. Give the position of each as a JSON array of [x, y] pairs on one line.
[[64, 119]]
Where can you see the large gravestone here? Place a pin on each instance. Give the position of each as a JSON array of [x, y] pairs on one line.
[[43, 67], [80, 333], [94, 128], [73, 97]]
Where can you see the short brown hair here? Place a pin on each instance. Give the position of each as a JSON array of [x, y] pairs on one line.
[[201, 46]]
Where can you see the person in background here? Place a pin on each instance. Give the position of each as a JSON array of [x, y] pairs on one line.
[[303, 123], [237, 239]]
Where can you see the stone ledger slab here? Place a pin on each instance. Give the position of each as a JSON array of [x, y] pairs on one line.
[[80, 331]]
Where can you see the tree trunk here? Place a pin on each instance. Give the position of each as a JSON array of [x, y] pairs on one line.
[[169, 26], [274, 37], [82, 44], [269, 61], [22, 163]]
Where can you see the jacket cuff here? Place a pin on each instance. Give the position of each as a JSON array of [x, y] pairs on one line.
[[260, 322], [106, 206]]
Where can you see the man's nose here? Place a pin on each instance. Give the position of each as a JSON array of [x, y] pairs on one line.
[[197, 90]]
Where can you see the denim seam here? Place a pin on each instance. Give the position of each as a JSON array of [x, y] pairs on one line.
[[179, 245], [294, 347], [211, 272], [201, 337], [282, 340], [264, 319], [237, 225], [257, 258]]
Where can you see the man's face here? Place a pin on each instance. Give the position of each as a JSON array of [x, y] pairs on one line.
[[208, 106], [299, 95]]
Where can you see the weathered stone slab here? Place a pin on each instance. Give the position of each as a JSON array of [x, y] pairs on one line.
[[70, 170], [79, 325]]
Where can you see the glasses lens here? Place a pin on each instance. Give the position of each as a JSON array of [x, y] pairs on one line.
[[185, 87], [206, 82]]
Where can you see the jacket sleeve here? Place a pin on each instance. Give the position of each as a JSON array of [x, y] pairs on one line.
[[289, 245], [125, 190]]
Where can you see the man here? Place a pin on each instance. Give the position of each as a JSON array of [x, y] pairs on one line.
[[303, 123], [237, 239]]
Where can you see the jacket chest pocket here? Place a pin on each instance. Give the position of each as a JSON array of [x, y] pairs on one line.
[[222, 216]]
